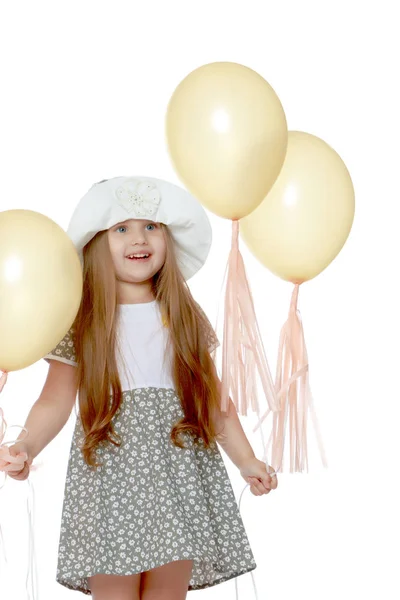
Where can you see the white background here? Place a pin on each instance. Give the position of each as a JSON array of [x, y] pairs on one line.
[[84, 90]]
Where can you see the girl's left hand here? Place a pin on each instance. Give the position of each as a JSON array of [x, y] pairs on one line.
[[255, 473]]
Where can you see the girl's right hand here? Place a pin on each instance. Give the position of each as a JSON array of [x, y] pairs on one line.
[[20, 474]]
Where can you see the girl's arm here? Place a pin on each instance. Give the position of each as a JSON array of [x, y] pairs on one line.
[[52, 409], [232, 438]]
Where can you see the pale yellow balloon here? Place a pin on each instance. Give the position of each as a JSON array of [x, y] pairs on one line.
[[227, 137], [304, 221], [40, 287]]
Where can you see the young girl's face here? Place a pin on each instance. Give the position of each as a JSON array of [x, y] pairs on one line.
[[137, 237]]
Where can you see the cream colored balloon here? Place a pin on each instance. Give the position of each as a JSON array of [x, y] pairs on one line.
[[227, 136], [40, 287], [304, 221]]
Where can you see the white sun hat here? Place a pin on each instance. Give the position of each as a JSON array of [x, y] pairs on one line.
[[115, 200]]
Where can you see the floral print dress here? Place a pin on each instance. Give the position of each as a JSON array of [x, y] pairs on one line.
[[151, 502]]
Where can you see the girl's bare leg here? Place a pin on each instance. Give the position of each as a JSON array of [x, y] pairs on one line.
[[115, 587], [168, 582]]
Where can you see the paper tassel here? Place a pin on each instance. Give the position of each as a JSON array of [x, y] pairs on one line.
[[242, 351], [294, 393]]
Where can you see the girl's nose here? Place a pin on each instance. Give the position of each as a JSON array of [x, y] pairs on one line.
[[138, 235], [138, 239]]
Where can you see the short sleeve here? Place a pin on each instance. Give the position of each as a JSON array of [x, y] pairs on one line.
[[64, 351], [208, 331]]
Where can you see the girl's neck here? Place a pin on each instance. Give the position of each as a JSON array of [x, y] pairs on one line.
[[133, 294]]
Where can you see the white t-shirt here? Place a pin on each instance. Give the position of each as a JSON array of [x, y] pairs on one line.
[[142, 339]]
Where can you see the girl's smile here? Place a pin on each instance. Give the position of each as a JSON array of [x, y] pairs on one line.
[[140, 258]]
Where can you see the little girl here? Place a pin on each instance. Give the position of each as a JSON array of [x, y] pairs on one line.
[[149, 511]]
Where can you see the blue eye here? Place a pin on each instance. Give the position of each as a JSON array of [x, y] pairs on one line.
[[153, 225]]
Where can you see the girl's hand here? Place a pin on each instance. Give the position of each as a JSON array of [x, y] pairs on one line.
[[255, 473], [20, 472]]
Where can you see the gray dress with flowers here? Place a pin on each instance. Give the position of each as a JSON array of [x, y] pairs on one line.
[[151, 502]]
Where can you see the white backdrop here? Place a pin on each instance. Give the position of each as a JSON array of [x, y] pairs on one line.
[[84, 89]]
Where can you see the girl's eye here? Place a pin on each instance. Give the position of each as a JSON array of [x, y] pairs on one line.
[[152, 225]]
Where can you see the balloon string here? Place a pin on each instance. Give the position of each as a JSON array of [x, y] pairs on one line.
[[3, 548], [264, 459], [11, 463], [243, 351], [31, 582]]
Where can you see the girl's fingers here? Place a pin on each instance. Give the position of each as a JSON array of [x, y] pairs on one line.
[[21, 475], [254, 491], [258, 486], [261, 487], [274, 480], [257, 492]]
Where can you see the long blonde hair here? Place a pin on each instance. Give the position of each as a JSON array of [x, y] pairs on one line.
[[95, 329]]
